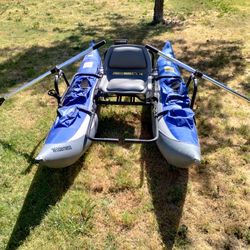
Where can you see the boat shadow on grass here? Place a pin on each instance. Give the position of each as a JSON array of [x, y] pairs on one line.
[[47, 188], [167, 186], [28, 156], [113, 125]]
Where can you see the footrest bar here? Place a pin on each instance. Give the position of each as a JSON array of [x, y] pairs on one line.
[[141, 140], [135, 140], [103, 139], [122, 103]]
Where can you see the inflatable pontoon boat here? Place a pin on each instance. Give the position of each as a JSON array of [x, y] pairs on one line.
[[128, 76]]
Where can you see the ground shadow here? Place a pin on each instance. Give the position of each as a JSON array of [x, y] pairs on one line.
[[114, 127], [28, 156], [167, 185], [32, 62], [47, 188]]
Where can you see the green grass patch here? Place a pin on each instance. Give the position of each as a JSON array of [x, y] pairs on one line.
[[124, 196]]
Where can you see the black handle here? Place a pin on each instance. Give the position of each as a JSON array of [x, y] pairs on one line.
[[153, 49], [98, 45], [89, 74], [2, 99], [163, 76]]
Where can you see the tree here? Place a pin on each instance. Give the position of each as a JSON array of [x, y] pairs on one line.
[[158, 12]]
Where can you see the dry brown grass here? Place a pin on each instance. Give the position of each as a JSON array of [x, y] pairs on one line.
[[125, 196]]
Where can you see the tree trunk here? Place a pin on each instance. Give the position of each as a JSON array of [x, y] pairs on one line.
[[158, 12]]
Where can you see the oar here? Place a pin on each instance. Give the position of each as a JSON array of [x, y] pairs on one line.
[[196, 72], [60, 66]]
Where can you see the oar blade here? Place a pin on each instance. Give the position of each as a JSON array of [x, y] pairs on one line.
[[26, 85], [223, 86]]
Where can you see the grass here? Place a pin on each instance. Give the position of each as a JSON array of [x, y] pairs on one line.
[[125, 196]]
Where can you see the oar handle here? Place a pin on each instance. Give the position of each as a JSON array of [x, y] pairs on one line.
[[153, 49], [2, 99], [81, 55], [98, 45]]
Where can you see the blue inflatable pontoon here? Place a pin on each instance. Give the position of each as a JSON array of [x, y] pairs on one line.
[[178, 139]]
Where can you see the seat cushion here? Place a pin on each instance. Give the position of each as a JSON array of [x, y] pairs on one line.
[[126, 85]]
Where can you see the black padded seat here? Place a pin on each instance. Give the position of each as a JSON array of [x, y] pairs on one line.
[[126, 57], [126, 68]]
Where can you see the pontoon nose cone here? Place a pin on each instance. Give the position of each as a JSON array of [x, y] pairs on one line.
[[41, 159], [193, 160], [197, 162], [38, 160], [61, 155], [179, 154], [188, 158]]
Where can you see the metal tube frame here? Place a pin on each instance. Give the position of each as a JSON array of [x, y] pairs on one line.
[[55, 92], [195, 90], [125, 103]]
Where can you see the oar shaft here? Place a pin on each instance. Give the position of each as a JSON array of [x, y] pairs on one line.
[[221, 85], [194, 71], [75, 58], [60, 66], [177, 62], [27, 84], [81, 55]]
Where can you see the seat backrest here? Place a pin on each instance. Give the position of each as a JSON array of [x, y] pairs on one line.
[[127, 61]]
